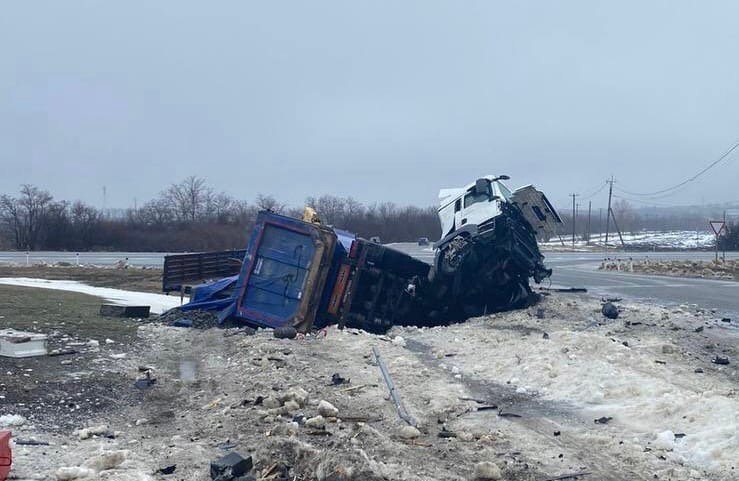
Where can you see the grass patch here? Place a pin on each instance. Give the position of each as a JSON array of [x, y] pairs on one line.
[[73, 314]]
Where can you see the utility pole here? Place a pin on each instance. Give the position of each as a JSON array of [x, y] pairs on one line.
[[723, 256], [608, 212], [573, 219], [590, 208]]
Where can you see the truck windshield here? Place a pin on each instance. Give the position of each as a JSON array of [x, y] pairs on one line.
[[473, 198]]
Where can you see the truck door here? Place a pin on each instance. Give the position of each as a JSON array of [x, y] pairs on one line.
[[537, 210]]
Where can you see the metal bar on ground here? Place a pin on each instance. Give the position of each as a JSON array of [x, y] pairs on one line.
[[393, 391]]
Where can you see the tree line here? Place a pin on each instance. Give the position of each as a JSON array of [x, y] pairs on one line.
[[191, 216], [188, 216]]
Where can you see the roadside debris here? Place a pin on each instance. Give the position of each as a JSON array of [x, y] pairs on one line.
[[563, 289], [610, 310], [115, 310], [487, 471], [231, 467], [10, 420], [167, 470], [603, 420], [393, 391], [337, 379], [148, 380], [22, 344], [724, 361]]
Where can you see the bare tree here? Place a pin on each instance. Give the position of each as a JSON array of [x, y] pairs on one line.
[[25, 215], [268, 202], [189, 199]]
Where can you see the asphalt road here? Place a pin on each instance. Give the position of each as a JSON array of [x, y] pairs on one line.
[[580, 269]]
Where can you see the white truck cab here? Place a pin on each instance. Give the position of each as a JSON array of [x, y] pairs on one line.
[[481, 201], [472, 204]]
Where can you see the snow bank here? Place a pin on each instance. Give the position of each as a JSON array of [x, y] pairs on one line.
[[158, 302], [692, 417]]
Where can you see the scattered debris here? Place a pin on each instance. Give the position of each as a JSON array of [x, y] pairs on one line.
[[610, 310], [327, 410], [167, 469], [30, 442], [10, 420], [563, 289], [230, 467], [568, 476], [183, 322], [724, 361], [87, 433], [409, 432], [487, 471], [337, 379], [603, 420], [22, 344], [393, 391], [115, 310]]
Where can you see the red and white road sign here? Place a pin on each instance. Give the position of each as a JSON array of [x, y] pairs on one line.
[[717, 226]]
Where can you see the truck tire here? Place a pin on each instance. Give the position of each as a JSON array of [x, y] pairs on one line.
[[285, 332], [452, 256]]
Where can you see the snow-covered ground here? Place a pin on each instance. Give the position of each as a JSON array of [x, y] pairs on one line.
[[668, 412], [158, 302], [644, 239]]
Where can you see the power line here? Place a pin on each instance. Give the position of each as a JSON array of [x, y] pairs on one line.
[[645, 202], [596, 192], [686, 181]]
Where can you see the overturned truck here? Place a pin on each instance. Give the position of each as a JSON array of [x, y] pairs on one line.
[[308, 275]]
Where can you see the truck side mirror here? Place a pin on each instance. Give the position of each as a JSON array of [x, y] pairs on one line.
[[482, 187]]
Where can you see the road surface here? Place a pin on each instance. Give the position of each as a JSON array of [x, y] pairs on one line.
[[580, 269]]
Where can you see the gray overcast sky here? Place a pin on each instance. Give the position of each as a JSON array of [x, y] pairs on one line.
[[378, 100]]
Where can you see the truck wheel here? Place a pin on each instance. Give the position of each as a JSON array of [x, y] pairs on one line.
[[452, 257], [285, 332]]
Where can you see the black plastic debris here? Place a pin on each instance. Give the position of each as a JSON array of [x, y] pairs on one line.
[[285, 332], [557, 433], [113, 310], [167, 470], [603, 420], [145, 383], [231, 467], [699, 329], [610, 310], [337, 379], [724, 361], [698, 370], [726, 319]]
